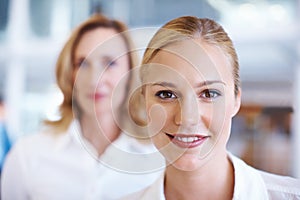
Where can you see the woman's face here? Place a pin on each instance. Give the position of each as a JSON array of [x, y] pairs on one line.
[[190, 101], [101, 60]]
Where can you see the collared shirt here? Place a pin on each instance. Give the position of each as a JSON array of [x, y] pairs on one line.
[[65, 166], [250, 184]]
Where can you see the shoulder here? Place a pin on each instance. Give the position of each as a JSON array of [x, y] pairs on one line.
[[145, 194], [137, 195], [35, 143], [30, 151], [251, 183], [23, 151], [281, 185], [36, 140]]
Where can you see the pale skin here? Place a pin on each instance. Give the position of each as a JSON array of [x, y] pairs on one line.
[[192, 86], [101, 62]]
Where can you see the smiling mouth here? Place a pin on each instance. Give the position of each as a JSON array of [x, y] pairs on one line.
[[187, 141]]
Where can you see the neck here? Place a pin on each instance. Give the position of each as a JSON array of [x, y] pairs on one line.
[[100, 132], [216, 175]]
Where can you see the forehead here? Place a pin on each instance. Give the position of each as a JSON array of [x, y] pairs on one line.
[[190, 59], [101, 40]]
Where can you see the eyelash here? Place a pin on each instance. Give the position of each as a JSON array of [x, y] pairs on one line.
[[81, 63], [207, 94], [84, 63], [111, 63], [163, 92]]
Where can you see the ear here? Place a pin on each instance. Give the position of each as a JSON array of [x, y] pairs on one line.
[[237, 103]]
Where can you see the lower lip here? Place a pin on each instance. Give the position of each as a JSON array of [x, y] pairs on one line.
[[188, 144], [97, 97]]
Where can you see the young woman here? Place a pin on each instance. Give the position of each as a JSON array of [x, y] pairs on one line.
[[84, 155], [191, 90]]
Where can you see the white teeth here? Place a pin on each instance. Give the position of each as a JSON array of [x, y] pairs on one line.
[[186, 139]]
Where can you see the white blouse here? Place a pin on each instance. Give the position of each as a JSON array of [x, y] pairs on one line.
[[53, 166], [250, 184]]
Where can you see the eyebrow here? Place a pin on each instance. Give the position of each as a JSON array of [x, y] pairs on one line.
[[108, 57], [204, 83], [165, 84]]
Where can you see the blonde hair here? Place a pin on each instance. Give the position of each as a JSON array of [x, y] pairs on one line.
[[189, 27], [65, 66]]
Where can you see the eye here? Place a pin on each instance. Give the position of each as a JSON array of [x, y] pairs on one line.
[[81, 63], [166, 94], [210, 94], [112, 63], [109, 62]]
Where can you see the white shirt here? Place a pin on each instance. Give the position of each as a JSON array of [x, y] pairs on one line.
[[49, 166], [250, 184]]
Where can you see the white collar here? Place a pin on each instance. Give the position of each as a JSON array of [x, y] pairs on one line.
[[73, 136], [248, 183]]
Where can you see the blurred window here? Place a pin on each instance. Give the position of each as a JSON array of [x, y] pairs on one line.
[[40, 16], [56, 17], [4, 5]]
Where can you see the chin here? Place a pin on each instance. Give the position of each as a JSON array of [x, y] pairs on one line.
[[188, 162], [102, 111]]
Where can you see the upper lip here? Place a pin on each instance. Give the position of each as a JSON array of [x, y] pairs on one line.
[[186, 137], [97, 95]]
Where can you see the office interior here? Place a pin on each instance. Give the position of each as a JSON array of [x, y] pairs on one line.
[[266, 34]]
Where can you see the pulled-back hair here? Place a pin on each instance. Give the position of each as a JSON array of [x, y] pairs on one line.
[[189, 27]]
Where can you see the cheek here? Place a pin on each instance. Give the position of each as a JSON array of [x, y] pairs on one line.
[[157, 116], [210, 116], [159, 141], [117, 81], [81, 79], [118, 87], [213, 116], [116, 77], [220, 118]]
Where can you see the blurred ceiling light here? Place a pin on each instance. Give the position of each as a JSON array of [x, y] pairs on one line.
[[258, 13], [278, 12], [248, 11], [220, 5]]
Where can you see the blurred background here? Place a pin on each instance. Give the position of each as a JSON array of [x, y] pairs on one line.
[[266, 132]]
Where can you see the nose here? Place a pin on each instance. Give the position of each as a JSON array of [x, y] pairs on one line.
[[188, 113], [97, 74]]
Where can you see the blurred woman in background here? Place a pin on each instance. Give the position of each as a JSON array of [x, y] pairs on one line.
[[70, 158]]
